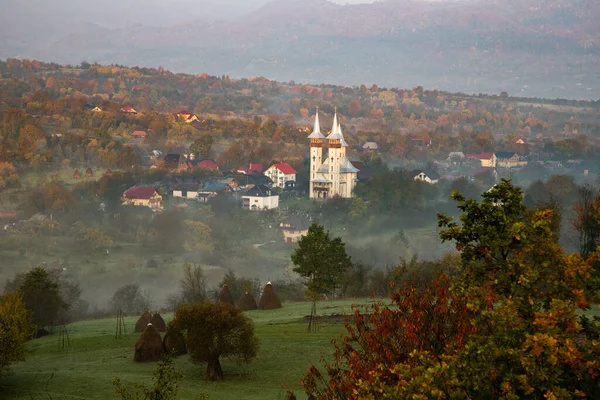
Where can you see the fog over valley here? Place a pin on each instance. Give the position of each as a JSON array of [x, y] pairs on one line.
[[291, 199]]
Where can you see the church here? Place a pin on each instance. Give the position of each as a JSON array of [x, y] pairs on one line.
[[334, 175]]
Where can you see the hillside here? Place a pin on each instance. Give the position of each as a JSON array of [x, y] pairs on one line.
[[548, 48]]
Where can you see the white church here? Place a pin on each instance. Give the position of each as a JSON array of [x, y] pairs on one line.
[[333, 175]]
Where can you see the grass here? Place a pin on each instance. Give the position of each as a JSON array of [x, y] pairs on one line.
[[86, 368]]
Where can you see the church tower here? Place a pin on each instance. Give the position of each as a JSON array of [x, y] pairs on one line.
[[334, 146], [316, 153]]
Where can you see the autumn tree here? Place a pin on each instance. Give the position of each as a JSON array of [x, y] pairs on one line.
[[320, 259], [215, 331], [8, 175], [28, 137], [354, 108], [512, 324], [202, 147], [15, 329]]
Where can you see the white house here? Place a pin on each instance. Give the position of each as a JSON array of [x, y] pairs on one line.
[[281, 173], [260, 197], [188, 191], [426, 175]]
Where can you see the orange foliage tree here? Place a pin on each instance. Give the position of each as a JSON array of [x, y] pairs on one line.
[[512, 324]]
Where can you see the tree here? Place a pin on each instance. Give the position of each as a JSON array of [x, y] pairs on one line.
[[511, 324], [321, 259], [214, 331], [28, 136], [354, 108], [15, 329], [192, 287], [202, 147], [130, 299], [586, 221], [41, 296]]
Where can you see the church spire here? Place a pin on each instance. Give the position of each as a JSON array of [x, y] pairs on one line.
[[335, 122], [316, 133]]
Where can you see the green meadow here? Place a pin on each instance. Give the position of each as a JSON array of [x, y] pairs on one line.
[[86, 368]]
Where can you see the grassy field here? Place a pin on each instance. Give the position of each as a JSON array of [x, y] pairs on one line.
[[86, 368]]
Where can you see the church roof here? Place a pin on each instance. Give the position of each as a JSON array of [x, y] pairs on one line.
[[335, 134], [320, 179], [316, 133], [347, 166]]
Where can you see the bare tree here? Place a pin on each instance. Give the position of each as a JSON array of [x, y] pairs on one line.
[[192, 288], [585, 222]]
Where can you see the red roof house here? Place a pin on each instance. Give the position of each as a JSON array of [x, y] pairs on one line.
[[208, 164], [281, 173], [128, 110], [284, 168], [146, 196], [139, 134], [250, 169]]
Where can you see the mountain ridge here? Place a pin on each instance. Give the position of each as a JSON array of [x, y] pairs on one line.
[[542, 47]]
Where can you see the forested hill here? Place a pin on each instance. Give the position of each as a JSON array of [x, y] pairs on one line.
[[548, 48]]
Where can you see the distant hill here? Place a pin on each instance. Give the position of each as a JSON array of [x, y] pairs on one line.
[[547, 48]]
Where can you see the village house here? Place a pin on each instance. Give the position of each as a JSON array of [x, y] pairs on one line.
[[231, 182], [426, 175], [370, 146], [520, 141], [186, 116], [139, 135], [455, 158], [294, 227], [281, 173], [128, 110], [96, 109], [507, 159], [175, 162], [145, 196], [486, 159], [259, 198], [7, 219], [250, 168], [421, 141], [211, 189], [189, 191]]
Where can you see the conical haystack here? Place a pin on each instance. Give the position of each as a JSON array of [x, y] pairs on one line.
[[174, 342], [247, 302], [159, 322], [225, 296], [269, 299], [76, 175], [149, 346], [89, 172], [143, 321]]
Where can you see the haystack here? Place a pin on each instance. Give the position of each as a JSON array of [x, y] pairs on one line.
[[174, 342], [149, 346], [225, 296], [89, 172], [159, 322], [143, 321], [76, 175], [107, 173], [269, 299], [247, 302]]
